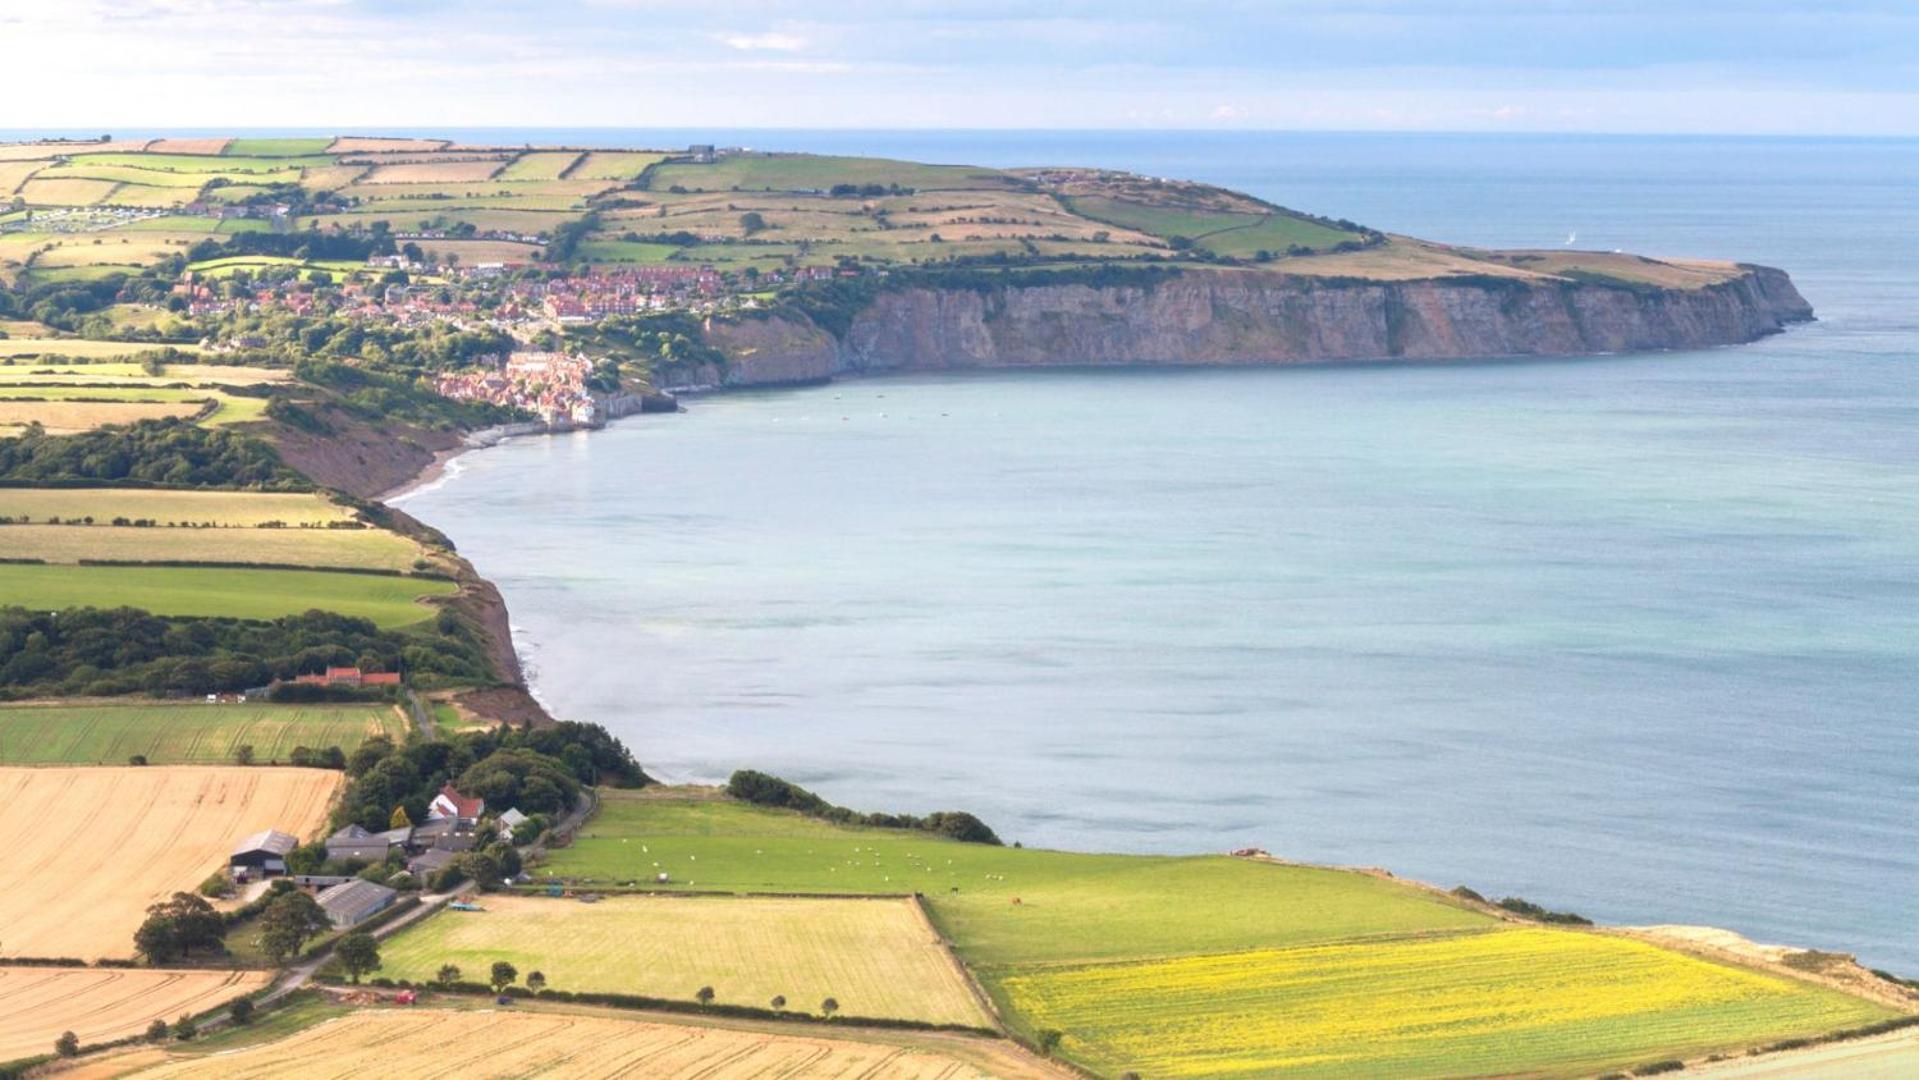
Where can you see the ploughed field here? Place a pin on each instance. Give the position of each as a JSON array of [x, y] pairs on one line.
[[519, 1043], [103, 1004], [1209, 965], [240, 593], [190, 733], [877, 958], [91, 848]]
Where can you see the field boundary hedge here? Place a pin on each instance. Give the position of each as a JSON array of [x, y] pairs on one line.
[[640, 1002], [371, 571]]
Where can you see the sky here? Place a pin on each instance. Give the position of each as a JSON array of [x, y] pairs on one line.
[[1628, 66]]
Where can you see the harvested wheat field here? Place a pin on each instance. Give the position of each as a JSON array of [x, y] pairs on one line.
[[67, 417], [484, 1044], [92, 847], [99, 1005], [876, 958]]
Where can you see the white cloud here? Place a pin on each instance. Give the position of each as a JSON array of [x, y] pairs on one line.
[[771, 41]]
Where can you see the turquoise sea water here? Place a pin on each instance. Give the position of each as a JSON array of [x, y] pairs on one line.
[[1635, 636]]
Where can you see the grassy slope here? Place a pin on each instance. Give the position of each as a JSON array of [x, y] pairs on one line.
[[219, 591], [1204, 965], [873, 956], [182, 734], [1072, 906]]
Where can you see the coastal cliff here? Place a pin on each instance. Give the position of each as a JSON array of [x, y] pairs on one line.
[[1223, 317]]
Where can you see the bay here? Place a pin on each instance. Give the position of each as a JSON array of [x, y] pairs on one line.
[[1634, 636]]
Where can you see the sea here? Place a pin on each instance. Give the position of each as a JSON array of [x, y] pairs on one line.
[[1632, 636]]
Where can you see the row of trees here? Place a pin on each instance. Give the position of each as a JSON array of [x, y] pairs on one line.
[[95, 651]]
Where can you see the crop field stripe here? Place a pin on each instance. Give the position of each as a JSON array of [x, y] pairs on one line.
[[242, 593], [554, 1044], [37, 1004], [1513, 1000]]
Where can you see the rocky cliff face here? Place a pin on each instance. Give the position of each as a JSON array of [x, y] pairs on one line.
[[1227, 317]]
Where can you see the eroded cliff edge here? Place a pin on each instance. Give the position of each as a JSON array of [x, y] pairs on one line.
[[1222, 317]]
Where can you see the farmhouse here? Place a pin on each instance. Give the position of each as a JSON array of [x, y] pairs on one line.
[[261, 855], [354, 902], [349, 676], [449, 804]]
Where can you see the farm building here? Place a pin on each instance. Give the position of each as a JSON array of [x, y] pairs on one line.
[[354, 902], [261, 855], [449, 804], [509, 821], [354, 842], [430, 862], [349, 676]]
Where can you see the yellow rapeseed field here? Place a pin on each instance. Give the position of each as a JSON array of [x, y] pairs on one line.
[[1507, 1001]]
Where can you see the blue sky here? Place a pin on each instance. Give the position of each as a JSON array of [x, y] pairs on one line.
[[1740, 66]]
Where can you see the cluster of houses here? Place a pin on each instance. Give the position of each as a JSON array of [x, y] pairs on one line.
[[451, 827], [552, 385], [589, 297]]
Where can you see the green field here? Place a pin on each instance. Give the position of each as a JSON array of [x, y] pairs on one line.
[[223, 508], [183, 734], [1533, 1001], [538, 166], [874, 956], [219, 591], [814, 172], [277, 148], [625, 251], [1072, 906], [1209, 965], [1221, 232], [218, 268]]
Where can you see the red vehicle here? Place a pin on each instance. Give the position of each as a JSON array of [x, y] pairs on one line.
[[404, 997]]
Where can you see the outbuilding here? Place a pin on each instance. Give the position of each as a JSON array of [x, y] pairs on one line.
[[354, 902], [263, 854]]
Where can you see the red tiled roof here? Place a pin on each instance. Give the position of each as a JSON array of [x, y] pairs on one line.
[[463, 806]]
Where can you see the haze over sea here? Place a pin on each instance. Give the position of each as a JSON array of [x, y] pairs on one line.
[[1633, 636]]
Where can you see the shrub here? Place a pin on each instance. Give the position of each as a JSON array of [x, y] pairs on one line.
[[67, 1045], [241, 1010]]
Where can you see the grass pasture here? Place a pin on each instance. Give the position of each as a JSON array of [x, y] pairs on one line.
[[1532, 1001], [1073, 907], [84, 874], [37, 1004], [226, 509], [218, 591], [540, 165], [528, 1043], [189, 733], [276, 148], [366, 549], [1222, 232], [877, 957], [615, 165]]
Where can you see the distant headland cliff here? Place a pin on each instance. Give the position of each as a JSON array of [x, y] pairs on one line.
[[1243, 317]]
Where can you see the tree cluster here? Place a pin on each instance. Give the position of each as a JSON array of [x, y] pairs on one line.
[[171, 452], [96, 652], [752, 786]]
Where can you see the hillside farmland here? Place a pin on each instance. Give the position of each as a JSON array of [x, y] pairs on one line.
[[92, 847], [37, 1004]]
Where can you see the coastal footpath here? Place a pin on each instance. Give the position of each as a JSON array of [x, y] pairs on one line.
[[1250, 317]]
